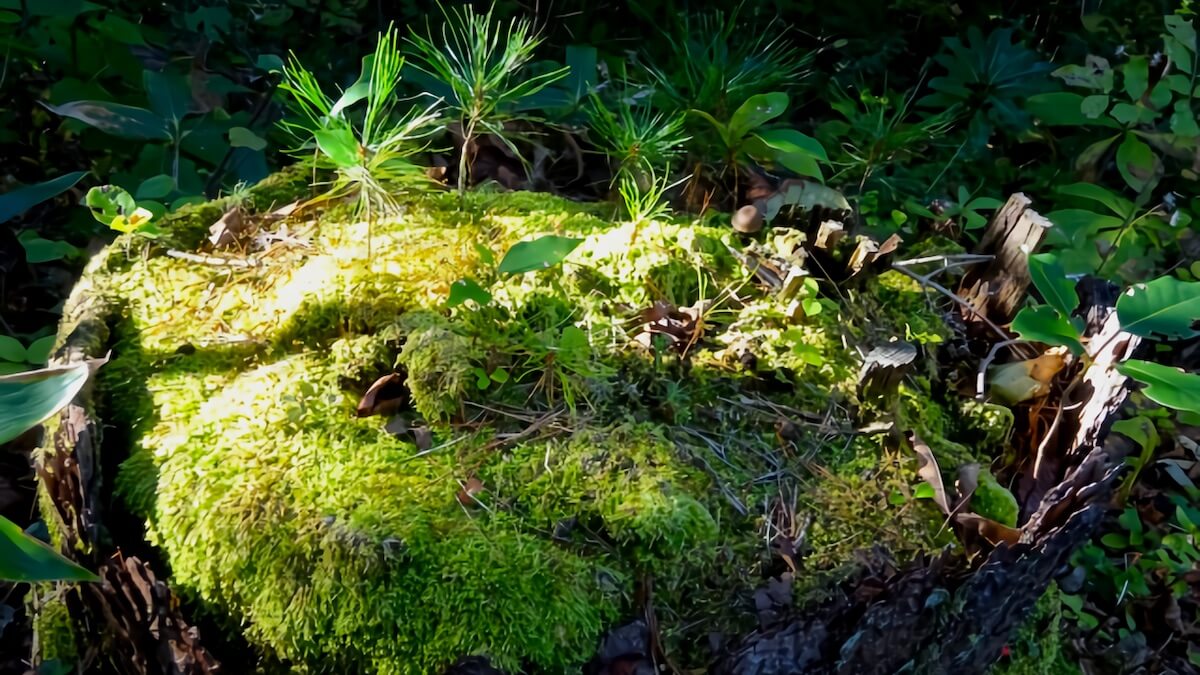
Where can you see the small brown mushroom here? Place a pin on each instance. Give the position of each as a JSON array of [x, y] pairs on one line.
[[748, 219]]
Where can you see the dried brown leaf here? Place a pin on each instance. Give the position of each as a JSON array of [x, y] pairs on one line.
[[929, 472]]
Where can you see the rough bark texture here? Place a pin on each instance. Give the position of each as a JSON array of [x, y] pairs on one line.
[[995, 290]]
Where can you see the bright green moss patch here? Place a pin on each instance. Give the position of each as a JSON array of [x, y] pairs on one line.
[[571, 461]]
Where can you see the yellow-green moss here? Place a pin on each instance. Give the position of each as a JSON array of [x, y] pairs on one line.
[[341, 548], [53, 630]]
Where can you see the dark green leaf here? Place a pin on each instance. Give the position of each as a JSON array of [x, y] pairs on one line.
[[543, 252], [581, 59], [23, 558], [1094, 106], [18, 201], [241, 137], [1163, 308], [755, 112], [156, 187], [1043, 323], [1051, 281], [467, 289], [39, 250], [1137, 76], [1136, 162], [124, 121], [1090, 191], [1165, 385], [1062, 108], [170, 95], [11, 349], [27, 399], [39, 350]]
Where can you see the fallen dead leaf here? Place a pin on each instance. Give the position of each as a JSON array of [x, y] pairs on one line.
[[472, 487], [385, 396], [929, 472]]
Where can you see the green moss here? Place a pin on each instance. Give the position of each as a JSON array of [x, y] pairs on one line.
[[1037, 648], [600, 465], [53, 629]]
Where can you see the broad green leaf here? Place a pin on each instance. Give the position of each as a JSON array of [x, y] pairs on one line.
[[543, 252], [23, 558], [1043, 323], [109, 202], [156, 187], [1051, 280], [755, 112], [1165, 308], [27, 399], [39, 250], [1093, 153], [790, 141], [1136, 162], [1094, 106], [1062, 108], [124, 121], [11, 349], [801, 164], [357, 91], [15, 202], [1165, 385], [1125, 113], [1137, 76], [581, 59], [241, 137], [467, 289], [1090, 191], [339, 145], [170, 95], [120, 30], [39, 350]]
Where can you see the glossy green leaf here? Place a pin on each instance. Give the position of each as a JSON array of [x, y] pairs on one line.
[[23, 558], [1090, 191], [15, 202], [755, 112], [1165, 385], [1043, 323], [109, 202], [1051, 281], [467, 289], [543, 252], [1136, 162], [790, 141], [124, 121], [1163, 308], [27, 399], [339, 145], [241, 137]]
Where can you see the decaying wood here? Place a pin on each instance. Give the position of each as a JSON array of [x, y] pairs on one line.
[[995, 290], [130, 614], [948, 615]]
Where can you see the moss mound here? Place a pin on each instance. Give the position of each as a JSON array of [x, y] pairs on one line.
[[572, 459]]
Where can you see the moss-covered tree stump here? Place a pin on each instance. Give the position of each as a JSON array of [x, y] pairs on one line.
[[573, 455]]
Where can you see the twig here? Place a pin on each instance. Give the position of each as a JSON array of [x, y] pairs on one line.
[[926, 281], [987, 361], [213, 260]]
